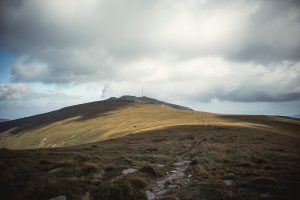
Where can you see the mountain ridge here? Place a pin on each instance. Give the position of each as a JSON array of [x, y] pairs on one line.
[[149, 100], [117, 117], [124, 98], [94, 121]]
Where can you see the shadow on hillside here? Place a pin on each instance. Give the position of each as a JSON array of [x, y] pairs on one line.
[[84, 111], [279, 122]]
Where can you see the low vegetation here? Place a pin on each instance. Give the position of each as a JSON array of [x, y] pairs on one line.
[[119, 150], [227, 162], [93, 122]]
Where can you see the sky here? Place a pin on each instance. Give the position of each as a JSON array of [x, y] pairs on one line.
[[232, 57]]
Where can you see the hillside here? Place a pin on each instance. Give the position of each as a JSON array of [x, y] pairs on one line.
[[129, 148], [111, 118], [93, 122]]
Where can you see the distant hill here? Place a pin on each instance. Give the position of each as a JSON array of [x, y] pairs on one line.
[[117, 117], [95, 121], [3, 120], [296, 116]]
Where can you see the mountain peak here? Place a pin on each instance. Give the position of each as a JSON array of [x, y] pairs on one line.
[[148, 100]]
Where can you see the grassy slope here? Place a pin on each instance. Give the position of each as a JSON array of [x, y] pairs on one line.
[[99, 121], [86, 127], [260, 154], [259, 159]]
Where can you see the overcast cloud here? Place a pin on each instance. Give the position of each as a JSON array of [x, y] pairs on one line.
[[192, 50]]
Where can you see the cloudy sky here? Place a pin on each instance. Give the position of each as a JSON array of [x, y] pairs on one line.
[[233, 56]]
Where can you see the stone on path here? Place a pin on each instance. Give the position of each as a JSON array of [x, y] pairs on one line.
[[56, 170], [228, 182], [129, 171], [150, 195], [181, 163], [161, 192], [265, 195], [174, 180]]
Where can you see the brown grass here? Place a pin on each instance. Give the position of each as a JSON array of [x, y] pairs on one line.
[[200, 170], [127, 188], [88, 168], [264, 180], [69, 127], [255, 167], [150, 170]]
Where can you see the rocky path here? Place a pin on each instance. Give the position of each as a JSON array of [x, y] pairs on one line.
[[174, 180]]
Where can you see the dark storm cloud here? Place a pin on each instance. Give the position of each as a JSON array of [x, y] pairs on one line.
[[261, 96], [273, 31], [265, 54], [205, 46], [263, 31]]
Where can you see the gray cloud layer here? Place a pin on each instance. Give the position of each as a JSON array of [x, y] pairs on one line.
[[14, 92], [229, 50]]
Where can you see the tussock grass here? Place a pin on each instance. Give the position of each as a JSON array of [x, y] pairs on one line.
[[150, 170], [24, 174], [264, 180], [200, 170], [89, 167], [127, 188]]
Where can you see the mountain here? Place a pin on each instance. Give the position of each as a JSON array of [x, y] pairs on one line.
[[142, 148], [91, 122], [103, 120]]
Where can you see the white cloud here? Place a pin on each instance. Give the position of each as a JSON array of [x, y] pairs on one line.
[[20, 100], [14, 92], [26, 70], [194, 50], [93, 34], [204, 79]]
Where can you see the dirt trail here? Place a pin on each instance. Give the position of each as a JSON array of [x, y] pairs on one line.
[[175, 179]]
